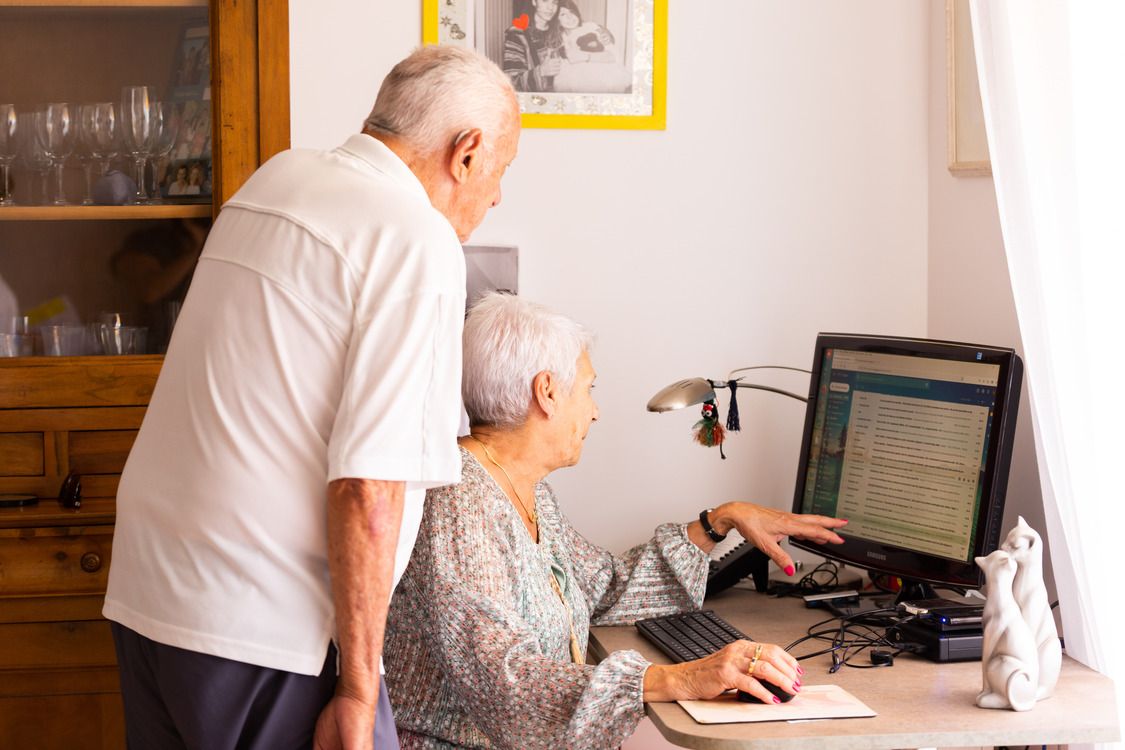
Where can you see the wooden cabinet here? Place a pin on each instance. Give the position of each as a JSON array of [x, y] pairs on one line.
[[58, 676]]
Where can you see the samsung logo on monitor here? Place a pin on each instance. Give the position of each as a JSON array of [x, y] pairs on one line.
[[877, 556]]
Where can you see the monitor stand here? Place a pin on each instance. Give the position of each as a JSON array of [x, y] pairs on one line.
[[911, 592], [914, 591]]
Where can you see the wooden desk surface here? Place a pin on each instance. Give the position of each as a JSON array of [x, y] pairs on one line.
[[920, 703]]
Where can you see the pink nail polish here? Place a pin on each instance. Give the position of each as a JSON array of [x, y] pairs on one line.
[[799, 670], [789, 570], [777, 700], [797, 686]]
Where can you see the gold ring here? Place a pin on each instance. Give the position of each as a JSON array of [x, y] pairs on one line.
[[754, 661]]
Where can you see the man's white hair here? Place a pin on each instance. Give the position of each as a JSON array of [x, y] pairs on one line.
[[507, 342], [439, 92]]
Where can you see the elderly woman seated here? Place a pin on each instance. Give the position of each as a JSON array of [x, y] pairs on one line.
[[487, 630]]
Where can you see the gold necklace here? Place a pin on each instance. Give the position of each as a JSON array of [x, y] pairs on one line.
[[575, 650], [529, 511]]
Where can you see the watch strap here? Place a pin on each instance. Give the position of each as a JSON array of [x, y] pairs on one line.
[[707, 527]]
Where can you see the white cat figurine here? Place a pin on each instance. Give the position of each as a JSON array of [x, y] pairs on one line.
[[1010, 659], [1026, 548]]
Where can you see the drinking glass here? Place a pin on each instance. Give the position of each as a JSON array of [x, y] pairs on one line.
[[124, 339], [137, 128], [167, 126], [63, 339], [17, 344], [57, 132], [105, 328], [15, 324], [10, 134], [101, 131]]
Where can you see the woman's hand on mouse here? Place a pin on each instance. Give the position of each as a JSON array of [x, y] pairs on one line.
[[727, 669]]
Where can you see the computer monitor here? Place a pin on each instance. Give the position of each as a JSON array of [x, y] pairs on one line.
[[910, 440]]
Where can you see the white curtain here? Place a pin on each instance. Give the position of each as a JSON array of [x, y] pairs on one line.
[[1052, 80]]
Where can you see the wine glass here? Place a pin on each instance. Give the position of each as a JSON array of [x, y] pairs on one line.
[[57, 131], [32, 156], [10, 135], [100, 134], [167, 126], [137, 127]]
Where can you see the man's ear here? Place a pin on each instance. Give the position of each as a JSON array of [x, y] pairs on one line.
[[466, 151]]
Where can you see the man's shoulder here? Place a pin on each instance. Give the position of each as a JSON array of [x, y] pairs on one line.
[[340, 186]]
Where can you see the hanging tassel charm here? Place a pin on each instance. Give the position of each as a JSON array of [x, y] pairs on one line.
[[709, 431], [733, 424]]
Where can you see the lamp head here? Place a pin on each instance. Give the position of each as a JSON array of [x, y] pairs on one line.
[[682, 393]]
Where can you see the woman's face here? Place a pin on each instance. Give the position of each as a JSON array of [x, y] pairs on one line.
[[576, 412], [545, 10], [567, 19]]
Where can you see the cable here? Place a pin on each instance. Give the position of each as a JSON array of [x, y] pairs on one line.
[[852, 635], [822, 579]]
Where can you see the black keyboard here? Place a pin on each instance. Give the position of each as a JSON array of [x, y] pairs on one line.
[[689, 635]]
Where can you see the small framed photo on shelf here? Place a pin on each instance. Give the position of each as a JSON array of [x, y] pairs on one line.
[[573, 63], [185, 170]]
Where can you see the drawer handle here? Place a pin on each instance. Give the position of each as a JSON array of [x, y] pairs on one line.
[[91, 562]]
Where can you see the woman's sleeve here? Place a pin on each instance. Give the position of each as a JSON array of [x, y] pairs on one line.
[[468, 575], [664, 575]]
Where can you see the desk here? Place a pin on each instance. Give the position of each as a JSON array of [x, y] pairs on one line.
[[920, 703]]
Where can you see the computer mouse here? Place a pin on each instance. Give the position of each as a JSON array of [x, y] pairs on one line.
[[782, 696]]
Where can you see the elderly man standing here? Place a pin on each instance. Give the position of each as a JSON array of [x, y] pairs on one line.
[[309, 396]]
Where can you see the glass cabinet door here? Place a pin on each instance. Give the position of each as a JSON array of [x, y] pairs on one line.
[[112, 171]]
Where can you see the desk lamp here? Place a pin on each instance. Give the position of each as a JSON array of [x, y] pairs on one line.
[[708, 430]]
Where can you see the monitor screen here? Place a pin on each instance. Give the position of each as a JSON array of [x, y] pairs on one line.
[[910, 440]]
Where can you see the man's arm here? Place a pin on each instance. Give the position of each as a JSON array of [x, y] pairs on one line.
[[363, 524]]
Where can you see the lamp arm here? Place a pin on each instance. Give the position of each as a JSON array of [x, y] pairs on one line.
[[762, 388], [730, 376]]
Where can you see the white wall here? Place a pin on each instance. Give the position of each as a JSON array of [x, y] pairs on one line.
[[788, 195], [970, 293], [800, 186]]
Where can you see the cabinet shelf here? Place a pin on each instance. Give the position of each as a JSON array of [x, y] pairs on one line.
[[78, 213]]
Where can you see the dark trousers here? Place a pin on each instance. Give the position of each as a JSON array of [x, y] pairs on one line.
[[182, 700]]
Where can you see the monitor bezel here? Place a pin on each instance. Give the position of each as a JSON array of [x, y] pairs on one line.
[[912, 566]]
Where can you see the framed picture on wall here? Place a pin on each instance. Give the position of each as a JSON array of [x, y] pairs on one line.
[[573, 63], [185, 170], [967, 139]]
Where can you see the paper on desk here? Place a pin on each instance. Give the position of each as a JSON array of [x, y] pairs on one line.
[[813, 702]]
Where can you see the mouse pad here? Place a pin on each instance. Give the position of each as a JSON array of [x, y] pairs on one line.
[[813, 702]]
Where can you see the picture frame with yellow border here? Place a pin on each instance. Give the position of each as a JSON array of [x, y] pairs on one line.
[[611, 70]]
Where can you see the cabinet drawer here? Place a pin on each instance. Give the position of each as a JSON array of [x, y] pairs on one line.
[[67, 722], [56, 645], [61, 561]]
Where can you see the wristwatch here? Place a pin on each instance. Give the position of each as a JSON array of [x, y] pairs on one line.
[[715, 536]]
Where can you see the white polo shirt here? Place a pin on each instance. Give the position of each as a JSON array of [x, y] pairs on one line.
[[320, 339]]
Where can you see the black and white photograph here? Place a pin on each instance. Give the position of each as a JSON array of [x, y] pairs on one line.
[[573, 63], [559, 46]]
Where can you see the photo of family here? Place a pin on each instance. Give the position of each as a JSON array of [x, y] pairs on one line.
[[186, 171], [572, 63], [559, 46], [186, 178]]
